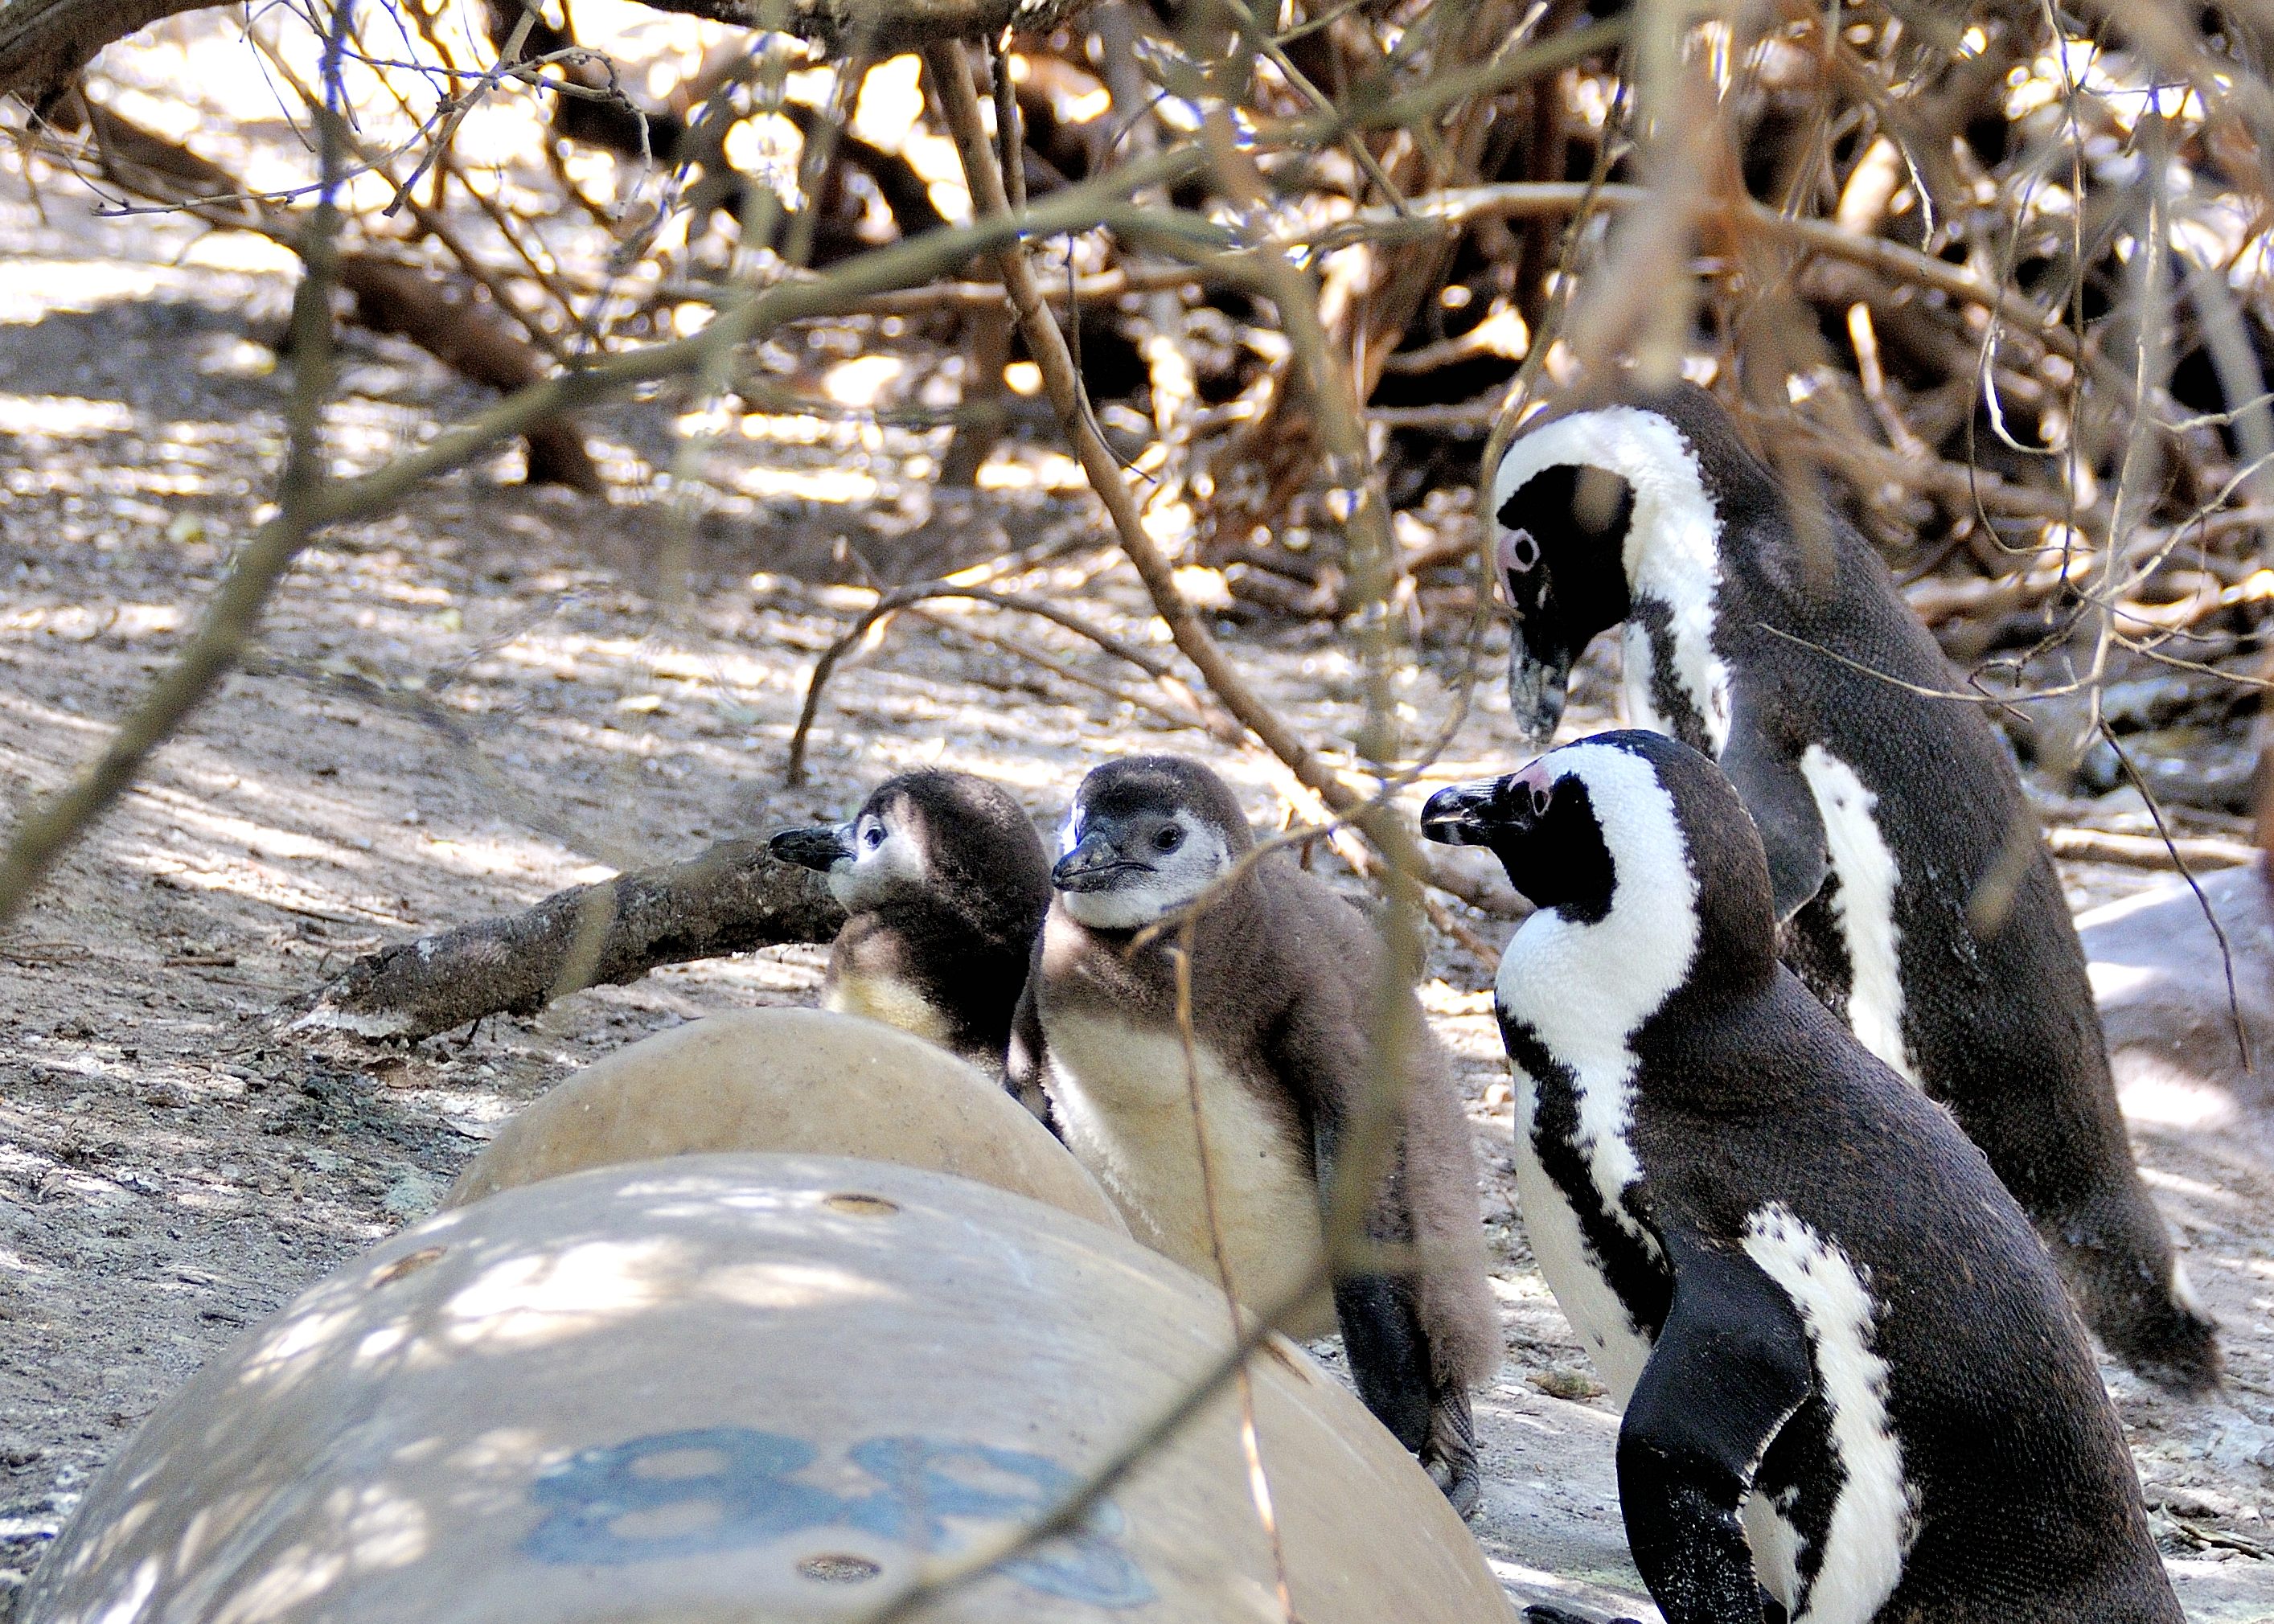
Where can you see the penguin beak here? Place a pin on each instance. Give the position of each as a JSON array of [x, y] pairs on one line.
[[1093, 865], [820, 848], [1465, 814], [1537, 685]]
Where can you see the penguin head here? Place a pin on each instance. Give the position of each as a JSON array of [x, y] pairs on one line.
[[1146, 836], [934, 835], [1631, 832], [1594, 508], [1542, 823]]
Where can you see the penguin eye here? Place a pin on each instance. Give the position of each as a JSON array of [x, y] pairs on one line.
[[1519, 552], [873, 836], [1540, 801], [1168, 839]]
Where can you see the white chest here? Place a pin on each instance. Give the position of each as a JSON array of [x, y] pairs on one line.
[[1124, 1097], [896, 1004], [1573, 1272]]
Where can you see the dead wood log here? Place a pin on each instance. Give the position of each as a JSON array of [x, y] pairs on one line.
[[473, 340], [43, 42], [2149, 851], [733, 899]]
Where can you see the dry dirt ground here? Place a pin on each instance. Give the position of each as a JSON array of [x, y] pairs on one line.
[[459, 708]]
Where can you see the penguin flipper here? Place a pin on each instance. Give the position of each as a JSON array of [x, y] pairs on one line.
[[1378, 1313], [1389, 1361], [1729, 1368], [1023, 1063], [1768, 780]]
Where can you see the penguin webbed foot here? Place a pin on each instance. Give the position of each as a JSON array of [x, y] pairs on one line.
[[1389, 1361], [1450, 1454], [1461, 1484], [2164, 1337]]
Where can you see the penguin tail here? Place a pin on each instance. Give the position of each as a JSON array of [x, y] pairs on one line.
[[2168, 1340], [2136, 1298], [1454, 1297]]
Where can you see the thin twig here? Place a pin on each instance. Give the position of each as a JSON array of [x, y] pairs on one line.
[[1180, 957], [921, 591], [952, 82], [43, 834]]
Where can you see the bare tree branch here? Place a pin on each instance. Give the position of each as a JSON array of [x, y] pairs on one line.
[[43, 42], [951, 76], [733, 899], [45, 831], [308, 504]]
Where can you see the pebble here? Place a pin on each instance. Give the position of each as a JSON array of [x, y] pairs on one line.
[[2200, 1503], [1564, 1382], [413, 1195]]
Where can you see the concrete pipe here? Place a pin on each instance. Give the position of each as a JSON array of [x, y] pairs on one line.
[[738, 1388], [786, 1080]]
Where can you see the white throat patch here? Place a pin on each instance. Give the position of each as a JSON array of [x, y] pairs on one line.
[[1672, 546], [1587, 988], [1875, 1512]]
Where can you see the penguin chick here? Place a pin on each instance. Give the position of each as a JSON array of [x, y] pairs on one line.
[[945, 882], [1850, 1374], [1284, 983], [1920, 903]]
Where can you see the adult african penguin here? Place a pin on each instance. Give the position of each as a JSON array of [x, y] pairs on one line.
[[944, 881], [1284, 979], [1851, 1377], [1916, 894]]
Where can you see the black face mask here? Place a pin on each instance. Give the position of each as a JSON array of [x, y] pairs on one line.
[[1544, 832], [1559, 560]]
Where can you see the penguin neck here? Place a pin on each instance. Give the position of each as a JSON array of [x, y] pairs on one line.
[[1213, 910], [1588, 978], [1585, 987], [1677, 681], [954, 925], [1006, 914], [1657, 699], [1585, 973]]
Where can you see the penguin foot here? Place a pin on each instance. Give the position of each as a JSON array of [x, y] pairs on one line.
[[2183, 1359], [2134, 1294], [1449, 1453], [1541, 1613], [1460, 1482]]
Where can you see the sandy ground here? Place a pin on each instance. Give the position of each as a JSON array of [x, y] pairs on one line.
[[173, 1165]]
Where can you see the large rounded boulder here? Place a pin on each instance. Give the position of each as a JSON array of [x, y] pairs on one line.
[[2189, 1008], [728, 1388], [791, 1080]]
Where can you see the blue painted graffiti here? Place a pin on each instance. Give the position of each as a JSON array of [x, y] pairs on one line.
[[727, 1488]]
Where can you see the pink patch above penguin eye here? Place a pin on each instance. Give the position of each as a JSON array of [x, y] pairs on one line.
[[1538, 785]]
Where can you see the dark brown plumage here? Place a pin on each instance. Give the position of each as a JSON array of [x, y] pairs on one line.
[[1285, 993]]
